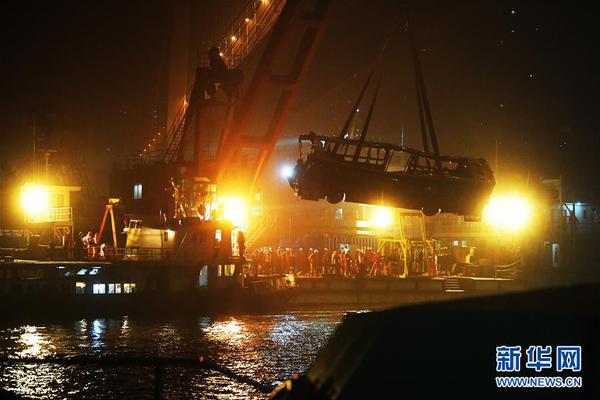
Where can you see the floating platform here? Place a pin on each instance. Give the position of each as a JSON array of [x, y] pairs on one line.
[[384, 292]]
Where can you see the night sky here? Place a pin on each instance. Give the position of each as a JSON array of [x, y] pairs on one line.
[[522, 74]]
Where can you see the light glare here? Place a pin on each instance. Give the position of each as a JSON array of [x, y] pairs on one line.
[[35, 200], [507, 213], [235, 210], [381, 217], [286, 171]]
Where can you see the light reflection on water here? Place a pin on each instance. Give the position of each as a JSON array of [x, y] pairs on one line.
[[33, 342], [267, 348]]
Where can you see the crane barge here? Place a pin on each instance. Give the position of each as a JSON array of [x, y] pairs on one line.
[[182, 252]]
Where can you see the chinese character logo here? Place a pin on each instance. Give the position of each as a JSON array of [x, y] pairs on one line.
[[568, 358], [508, 359], [539, 357]]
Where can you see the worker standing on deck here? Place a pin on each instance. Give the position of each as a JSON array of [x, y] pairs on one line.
[[344, 258], [314, 262], [420, 261], [293, 262], [325, 260], [336, 262], [361, 263], [277, 260], [302, 261], [377, 271], [269, 261]]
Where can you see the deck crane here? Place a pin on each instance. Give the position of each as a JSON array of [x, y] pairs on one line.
[[357, 170], [234, 138], [211, 151]]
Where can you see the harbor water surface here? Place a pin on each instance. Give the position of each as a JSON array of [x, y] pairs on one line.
[[267, 348]]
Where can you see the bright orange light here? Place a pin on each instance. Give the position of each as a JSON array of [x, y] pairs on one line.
[[381, 217], [35, 200], [233, 38], [247, 20], [508, 213], [235, 210]]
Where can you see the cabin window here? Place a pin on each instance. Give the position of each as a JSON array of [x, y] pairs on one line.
[[94, 271], [397, 162], [455, 243], [218, 235], [165, 236], [82, 271], [111, 288], [228, 269], [129, 287], [225, 270], [203, 277], [117, 288], [135, 224], [339, 213], [99, 288], [235, 248], [79, 287], [137, 191]]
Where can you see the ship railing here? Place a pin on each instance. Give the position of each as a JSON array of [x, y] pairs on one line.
[[51, 214], [127, 253], [457, 225]]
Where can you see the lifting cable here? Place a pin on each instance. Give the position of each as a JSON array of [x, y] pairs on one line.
[[363, 134], [376, 63], [425, 118]]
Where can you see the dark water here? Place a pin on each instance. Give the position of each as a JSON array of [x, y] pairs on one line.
[[267, 348]]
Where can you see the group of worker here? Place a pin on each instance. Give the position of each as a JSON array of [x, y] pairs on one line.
[[314, 262], [340, 262], [86, 246]]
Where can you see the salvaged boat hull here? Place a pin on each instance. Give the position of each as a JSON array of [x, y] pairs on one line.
[[330, 171]]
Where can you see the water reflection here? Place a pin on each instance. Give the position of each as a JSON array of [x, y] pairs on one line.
[[265, 347], [232, 331], [125, 326], [28, 380], [33, 342], [97, 332]]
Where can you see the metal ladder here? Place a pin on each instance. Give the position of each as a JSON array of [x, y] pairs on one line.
[[256, 230], [178, 126], [452, 285]]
